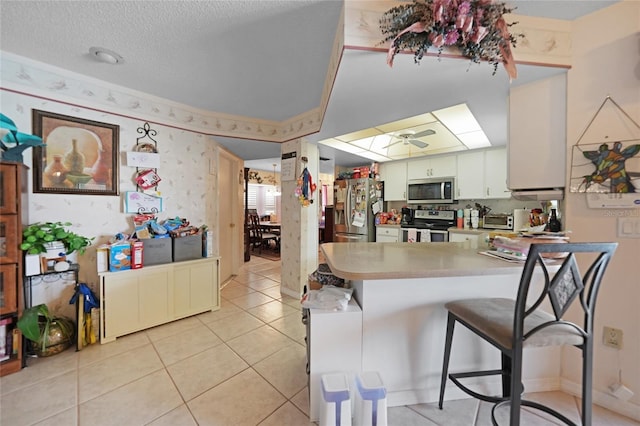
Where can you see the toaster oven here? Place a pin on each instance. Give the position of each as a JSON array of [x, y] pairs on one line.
[[498, 221]]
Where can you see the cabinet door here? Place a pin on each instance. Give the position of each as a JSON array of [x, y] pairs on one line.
[[473, 240], [394, 175], [495, 174], [418, 169], [195, 289], [432, 167], [9, 252], [121, 300], [537, 134], [155, 296], [443, 166], [8, 289], [470, 177], [9, 186]]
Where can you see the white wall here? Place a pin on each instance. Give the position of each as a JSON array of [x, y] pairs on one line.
[[606, 62]]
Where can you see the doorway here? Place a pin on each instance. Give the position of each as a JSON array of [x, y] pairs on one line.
[[230, 214]]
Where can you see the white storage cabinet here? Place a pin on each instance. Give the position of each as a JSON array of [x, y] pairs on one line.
[[137, 299], [387, 234], [432, 167], [394, 175]]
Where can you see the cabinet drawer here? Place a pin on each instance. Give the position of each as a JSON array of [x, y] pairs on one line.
[[8, 289], [387, 231]]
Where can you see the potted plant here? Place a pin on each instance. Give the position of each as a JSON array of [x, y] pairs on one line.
[[37, 237], [49, 334]]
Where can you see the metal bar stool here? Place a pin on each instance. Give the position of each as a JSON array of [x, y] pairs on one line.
[[511, 325]]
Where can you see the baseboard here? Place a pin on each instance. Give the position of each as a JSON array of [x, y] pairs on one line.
[[604, 399], [487, 386]]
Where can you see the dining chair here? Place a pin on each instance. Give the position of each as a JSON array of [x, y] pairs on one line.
[[260, 238], [511, 325]]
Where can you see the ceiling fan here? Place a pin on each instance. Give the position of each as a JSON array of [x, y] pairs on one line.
[[409, 138]]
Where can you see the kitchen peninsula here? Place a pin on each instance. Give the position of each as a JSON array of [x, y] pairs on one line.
[[401, 289]]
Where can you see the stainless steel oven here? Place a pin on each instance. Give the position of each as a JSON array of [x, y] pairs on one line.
[[428, 226], [417, 235]]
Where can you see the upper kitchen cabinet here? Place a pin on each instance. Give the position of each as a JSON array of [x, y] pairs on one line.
[[431, 167], [470, 176], [482, 174], [495, 174], [537, 134], [394, 175]]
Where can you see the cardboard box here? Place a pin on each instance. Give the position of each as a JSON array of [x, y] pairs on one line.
[[187, 248], [120, 256], [137, 254], [157, 251]]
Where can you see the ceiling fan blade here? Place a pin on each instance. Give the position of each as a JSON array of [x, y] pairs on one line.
[[418, 143], [424, 133], [391, 144]]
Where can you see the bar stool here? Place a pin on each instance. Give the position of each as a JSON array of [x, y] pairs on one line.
[[511, 325]]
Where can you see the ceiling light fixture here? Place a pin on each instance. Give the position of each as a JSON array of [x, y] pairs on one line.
[[105, 55], [275, 190]]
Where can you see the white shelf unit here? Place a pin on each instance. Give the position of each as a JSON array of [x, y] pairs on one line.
[[138, 299]]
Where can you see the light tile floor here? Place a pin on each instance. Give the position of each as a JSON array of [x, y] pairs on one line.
[[241, 365]]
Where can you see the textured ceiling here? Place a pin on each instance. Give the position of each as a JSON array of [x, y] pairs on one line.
[[259, 59]]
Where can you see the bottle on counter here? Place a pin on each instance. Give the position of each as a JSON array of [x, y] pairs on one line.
[[554, 224]]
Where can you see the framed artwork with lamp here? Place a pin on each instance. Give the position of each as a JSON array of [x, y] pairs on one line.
[[79, 156]]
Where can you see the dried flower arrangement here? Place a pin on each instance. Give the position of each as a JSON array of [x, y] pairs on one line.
[[476, 27]]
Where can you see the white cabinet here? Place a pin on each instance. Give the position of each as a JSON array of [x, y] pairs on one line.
[[475, 239], [537, 134], [495, 174], [137, 299], [470, 177], [335, 344], [394, 175], [387, 234], [429, 167], [482, 174]]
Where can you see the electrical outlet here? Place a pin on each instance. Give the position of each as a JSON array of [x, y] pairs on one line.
[[612, 337]]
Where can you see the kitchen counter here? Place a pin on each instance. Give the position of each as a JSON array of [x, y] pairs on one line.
[[401, 289], [364, 261]]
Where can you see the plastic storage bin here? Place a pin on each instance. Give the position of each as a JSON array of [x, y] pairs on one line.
[[157, 251], [336, 403], [187, 248], [370, 400]]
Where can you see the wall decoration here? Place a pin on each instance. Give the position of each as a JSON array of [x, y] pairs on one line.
[[146, 172], [611, 167], [139, 202], [79, 156]]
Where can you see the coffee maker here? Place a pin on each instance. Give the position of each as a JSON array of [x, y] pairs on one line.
[[407, 216]]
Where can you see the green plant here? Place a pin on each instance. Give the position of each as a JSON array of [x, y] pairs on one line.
[[36, 324], [35, 236]]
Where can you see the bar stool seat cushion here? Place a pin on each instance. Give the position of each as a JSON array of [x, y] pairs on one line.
[[494, 318]]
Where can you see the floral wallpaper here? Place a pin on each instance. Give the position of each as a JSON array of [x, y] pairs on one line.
[[187, 186]]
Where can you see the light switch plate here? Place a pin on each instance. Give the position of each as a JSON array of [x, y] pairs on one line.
[[629, 227]]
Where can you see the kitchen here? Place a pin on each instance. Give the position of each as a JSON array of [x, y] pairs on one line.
[[528, 175]]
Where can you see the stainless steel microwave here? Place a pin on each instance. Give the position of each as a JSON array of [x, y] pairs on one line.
[[431, 191]]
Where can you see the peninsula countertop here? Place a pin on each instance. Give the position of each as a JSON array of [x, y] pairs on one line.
[[370, 261]]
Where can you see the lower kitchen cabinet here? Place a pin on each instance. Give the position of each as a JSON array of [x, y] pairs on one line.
[[475, 238], [137, 299], [387, 234]]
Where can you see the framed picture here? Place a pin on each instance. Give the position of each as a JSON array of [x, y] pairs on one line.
[[79, 156]]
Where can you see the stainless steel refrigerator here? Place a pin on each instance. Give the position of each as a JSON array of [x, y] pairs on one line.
[[355, 205]]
